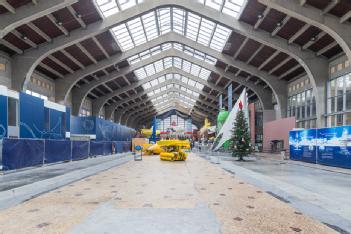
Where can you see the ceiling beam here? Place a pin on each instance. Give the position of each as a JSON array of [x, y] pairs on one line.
[[64, 66], [30, 13], [58, 24], [39, 31], [314, 40], [86, 52], [279, 65], [280, 25], [327, 48], [330, 6], [77, 16], [261, 17], [73, 59], [269, 59], [243, 44], [298, 33], [12, 47], [7, 6], [289, 71], [345, 17]]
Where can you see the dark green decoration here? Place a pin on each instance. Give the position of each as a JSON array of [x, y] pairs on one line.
[[241, 145]]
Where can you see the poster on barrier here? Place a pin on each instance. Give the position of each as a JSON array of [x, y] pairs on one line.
[[334, 146], [303, 145]]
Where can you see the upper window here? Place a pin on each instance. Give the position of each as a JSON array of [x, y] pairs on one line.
[[163, 20], [36, 94]]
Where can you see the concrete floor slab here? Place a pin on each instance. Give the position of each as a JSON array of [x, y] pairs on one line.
[[319, 193], [159, 188], [108, 219]]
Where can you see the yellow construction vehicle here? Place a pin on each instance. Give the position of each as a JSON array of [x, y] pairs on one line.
[[173, 150], [152, 149]]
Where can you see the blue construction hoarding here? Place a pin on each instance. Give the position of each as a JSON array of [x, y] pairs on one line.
[[327, 146], [43, 130], [103, 130]]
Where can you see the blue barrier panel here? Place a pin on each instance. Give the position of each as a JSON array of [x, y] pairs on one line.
[[80, 150], [119, 147], [57, 151], [21, 153], [309, 150], [3, 116], [31, 115], [107, 148], [302, 145], [96, 148], [126, 146], [333, 149]]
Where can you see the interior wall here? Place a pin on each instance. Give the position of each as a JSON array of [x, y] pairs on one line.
[[43, 85], [277, 130], [5, 70]]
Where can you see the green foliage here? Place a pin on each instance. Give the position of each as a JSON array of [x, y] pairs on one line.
[[241, 145]]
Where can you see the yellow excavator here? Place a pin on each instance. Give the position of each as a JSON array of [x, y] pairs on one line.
[[174, 150]]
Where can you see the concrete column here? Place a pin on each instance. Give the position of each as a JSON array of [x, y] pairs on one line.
[[5, 70]]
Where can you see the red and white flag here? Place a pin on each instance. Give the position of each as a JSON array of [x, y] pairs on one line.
[[225, 133]]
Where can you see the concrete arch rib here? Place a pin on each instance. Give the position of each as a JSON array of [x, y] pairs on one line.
[[145, 115], [278, 86], [110, 109], [22, 76], [120, 113], [101, 101], [206, 113], [82, 92], [142, 103], [150, 113]]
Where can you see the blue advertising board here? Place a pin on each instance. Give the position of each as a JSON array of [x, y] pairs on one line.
[[334, 146], [327, 146], [303, 145]]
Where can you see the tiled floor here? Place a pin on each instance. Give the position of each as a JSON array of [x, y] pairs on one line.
[[163, 197]]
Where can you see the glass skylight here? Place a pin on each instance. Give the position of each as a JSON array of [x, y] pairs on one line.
[[168, 62], [174, 78], [163, 20], [164, 88], [110, 7], [158, 49], [186, 96], [170, 99], [229, 7]]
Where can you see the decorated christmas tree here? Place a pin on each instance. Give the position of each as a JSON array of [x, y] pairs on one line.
[[241, 145]]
